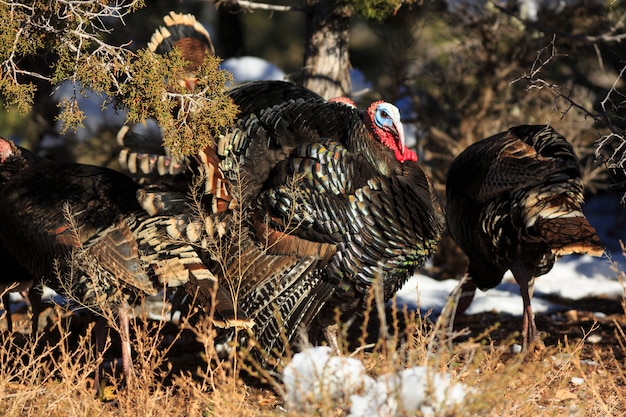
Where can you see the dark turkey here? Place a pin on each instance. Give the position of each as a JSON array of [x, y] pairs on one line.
[[323, 181], [309, 202], [81, 229], [514, 202], [13, 276]]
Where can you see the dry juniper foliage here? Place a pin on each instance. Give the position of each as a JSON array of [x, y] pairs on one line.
[[43, 42]]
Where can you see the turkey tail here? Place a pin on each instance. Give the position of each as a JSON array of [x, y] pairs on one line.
[[117, 248], [176, 263], [184, 32], [570, 235], [282, 293], [149, 163]]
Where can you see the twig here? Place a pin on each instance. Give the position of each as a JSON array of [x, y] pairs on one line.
[[251, 5]]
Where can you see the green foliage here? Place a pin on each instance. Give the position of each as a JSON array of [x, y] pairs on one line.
[[73, 33], [18, 95], [205, 116], [377, 10], [188, 120], [144, 93], [16, 40], [66, 32]]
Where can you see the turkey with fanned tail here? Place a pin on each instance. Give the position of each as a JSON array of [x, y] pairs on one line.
[[328, 192], [514, 202]]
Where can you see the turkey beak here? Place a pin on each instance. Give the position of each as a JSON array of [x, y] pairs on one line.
[[398, 132]]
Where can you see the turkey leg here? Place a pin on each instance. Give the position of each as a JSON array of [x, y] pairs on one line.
[[530, 336]]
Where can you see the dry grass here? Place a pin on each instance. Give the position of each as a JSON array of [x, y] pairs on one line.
[[177, 373]]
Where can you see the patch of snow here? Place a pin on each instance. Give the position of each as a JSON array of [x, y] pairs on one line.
[[408, 391], [251, 68], [316, 375], [577, 380], [573, 277]]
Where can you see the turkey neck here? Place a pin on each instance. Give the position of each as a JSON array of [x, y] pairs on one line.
[[361, 139]]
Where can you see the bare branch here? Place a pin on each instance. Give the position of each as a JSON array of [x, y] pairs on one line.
[[537, 83], [252, 5], [614, 35]]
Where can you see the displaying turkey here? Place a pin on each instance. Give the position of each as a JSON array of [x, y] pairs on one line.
[[81, 229], [335, 188], [329, 193], [514, 202]]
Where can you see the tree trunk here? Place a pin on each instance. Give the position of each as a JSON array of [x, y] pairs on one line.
[[326, 58], [230, 31]]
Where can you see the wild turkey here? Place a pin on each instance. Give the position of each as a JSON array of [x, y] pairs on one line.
[[324, 182], [514, 203], [363, 192], [362, 206], [14, 278], [81, 229], [362, 210]]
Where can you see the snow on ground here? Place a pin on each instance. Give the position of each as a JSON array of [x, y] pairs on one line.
[[410, 390], [573, 277], [315, 376]]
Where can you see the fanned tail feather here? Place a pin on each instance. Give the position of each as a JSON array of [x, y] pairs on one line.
[[570, 235]]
